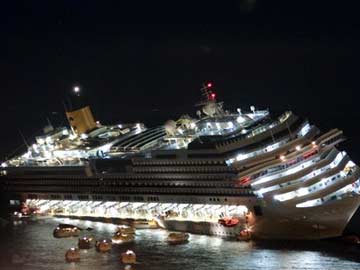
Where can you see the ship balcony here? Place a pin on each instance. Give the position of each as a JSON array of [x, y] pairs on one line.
[[309, 179], [291, 174], [347, 191], [321, 189]]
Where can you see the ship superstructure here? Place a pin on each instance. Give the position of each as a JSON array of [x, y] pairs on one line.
[[277, 176]]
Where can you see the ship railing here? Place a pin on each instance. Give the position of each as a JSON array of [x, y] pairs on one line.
[[297, 172], [259, 170], [336, 183], [313, 177], [348, 191]]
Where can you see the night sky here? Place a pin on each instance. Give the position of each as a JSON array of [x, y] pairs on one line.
[[146, 62]]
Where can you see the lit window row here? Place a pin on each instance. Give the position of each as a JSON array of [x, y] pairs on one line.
[[293, 170], [308, 176], [268, 148], [337, 195], [318, 186]]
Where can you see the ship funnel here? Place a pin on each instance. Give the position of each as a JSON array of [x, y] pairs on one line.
[[81, 120], [79, 114]]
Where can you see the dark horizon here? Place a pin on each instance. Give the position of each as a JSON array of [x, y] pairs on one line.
[[272, 55]]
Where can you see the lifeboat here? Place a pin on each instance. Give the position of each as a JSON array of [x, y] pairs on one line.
[[66, 230], [18, 215], [244, 235], [178, 238], [85, 242], [58, 211], [145, 224], [26, 210], [229, 222], [120, 238], [103, 245], [72, 255], [351, 239], [126, 230], [128, 257]]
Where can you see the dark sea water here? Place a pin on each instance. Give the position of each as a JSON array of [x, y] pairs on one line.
[[30, 245]]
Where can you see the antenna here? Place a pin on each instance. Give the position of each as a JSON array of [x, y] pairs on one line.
[[290, 133], [22, 136], [48, 120], [210, 95], [207, 93], [64, 103]]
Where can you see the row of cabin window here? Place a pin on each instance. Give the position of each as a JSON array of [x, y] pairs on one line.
[[106, 182], [168, 184], [134, 184], [185, 169], [217, 199], [131, 190], [220, 183], [172, 177], [177, 162], [145, 176]]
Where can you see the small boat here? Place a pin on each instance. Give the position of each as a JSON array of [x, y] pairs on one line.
[[229, 222], [244, 235], [64, 225], [27, 210], [72, 255], [103, 245], [145, 224], [18, 215], [126, 230], [85, 242], [351, 239], [128, 257], [178, 238], [58, 211], [62, 231], [120, 238]]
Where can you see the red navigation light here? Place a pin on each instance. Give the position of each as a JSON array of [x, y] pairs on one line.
[[213, 95], [209, 84]]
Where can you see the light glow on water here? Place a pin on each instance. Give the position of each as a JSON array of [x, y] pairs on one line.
[[30, 245]]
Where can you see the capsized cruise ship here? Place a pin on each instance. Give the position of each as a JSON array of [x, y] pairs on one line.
[[232, 174]]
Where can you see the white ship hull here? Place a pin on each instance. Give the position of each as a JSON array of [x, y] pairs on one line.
[[203, 227], [276, 220], [318, 222]]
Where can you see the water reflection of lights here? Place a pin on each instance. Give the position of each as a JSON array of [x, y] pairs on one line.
[[202, 239], [87, 223], [216, 241], [99, 226], [17, 222]]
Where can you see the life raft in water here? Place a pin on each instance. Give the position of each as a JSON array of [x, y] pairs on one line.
[[228, 222]]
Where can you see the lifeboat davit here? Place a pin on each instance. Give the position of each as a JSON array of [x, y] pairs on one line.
[[229, 222]]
